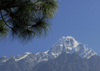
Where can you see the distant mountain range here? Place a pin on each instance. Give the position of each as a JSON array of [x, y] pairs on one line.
[[66, 55]]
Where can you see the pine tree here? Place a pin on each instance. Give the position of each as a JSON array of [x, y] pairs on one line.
[[26, 19]]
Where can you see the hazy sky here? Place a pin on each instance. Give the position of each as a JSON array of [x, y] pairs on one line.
[[77, 18]]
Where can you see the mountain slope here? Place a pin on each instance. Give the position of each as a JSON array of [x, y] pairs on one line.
[[27, 61], [69, 62], [65, 62]]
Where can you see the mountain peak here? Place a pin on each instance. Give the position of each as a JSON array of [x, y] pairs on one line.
[[69, 41], [69, 45]]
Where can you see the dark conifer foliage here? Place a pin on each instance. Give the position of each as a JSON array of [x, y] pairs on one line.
[[26, 19]]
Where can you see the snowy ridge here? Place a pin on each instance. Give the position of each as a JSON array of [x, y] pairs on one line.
[[65, 44], [3, 59], [25, 55]]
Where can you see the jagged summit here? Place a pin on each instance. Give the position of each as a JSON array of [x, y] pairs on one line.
[[69, 45], [69, 40]]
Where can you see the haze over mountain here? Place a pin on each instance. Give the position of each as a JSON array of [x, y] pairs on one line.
[[66, 54]]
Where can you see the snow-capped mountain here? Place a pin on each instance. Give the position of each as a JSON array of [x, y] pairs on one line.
[[69, 45], [66, 45]]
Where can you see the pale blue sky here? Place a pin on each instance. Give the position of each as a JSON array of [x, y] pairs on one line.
[[77, 18]]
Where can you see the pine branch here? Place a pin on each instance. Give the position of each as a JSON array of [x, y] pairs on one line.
[[4, 19]]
